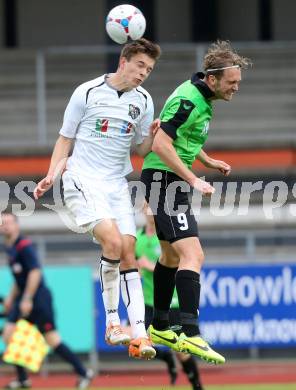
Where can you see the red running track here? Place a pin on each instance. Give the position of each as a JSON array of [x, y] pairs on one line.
[[242, 373]]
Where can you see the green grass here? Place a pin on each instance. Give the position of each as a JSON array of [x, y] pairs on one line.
[[279, 386]]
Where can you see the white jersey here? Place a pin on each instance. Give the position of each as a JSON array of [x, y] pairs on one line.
[[103, 122]]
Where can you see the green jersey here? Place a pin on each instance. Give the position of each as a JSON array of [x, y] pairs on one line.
[[149, 247], [185, 118]]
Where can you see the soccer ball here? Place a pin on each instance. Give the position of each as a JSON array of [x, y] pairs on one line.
[[125, 21]]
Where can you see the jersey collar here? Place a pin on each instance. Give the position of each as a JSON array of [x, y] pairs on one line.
[[196, 80]]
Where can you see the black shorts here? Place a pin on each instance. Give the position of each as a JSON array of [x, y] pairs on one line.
[[174, 316], [42, 314], [168, 197]]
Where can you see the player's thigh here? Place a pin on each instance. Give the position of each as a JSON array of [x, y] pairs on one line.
[[87, 202], [169, 257], [171, 206], [106, 232], [181, 218], [172, 225], [190, 252], [127, 258], [122, 208]]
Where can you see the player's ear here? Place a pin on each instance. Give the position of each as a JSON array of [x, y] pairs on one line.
[[211, 80]]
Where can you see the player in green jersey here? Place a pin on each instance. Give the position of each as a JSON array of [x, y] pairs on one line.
[[147, 254], [167, 175]]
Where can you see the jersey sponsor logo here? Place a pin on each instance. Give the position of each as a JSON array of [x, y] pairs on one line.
[[102, 125], [126, 128], [134, 111], [101, 129]]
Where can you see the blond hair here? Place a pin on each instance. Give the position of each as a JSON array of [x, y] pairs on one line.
[[221, 55]]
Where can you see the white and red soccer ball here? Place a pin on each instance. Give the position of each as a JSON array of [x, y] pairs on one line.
[[125, 22]]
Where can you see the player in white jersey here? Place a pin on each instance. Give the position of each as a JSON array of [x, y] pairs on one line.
[[101, 119]]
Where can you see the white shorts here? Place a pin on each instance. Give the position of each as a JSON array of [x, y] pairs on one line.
[[92, 201]]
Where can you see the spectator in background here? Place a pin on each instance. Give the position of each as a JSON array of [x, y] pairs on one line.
[[30, 298], [147, 254]]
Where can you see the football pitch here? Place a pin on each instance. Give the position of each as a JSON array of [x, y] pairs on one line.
[[278, 386]]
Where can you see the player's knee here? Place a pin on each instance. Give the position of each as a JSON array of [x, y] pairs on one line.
[[192, 253], [192, 260], [128, 261], [112, 247], [198, 259]]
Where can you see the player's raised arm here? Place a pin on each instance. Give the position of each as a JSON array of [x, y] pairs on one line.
[[72, 117], [58, 160]]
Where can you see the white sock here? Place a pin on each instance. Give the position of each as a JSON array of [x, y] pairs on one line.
[[109, 278], [132, 295]]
